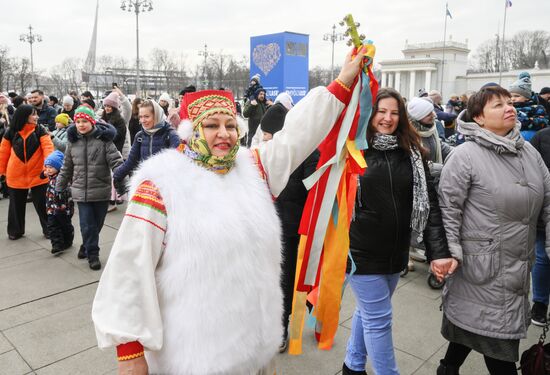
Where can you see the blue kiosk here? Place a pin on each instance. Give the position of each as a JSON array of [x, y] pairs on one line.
[[282, 62]]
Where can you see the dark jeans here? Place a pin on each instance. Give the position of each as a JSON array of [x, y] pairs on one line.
[[18, 205], [61, 231], [92, 216], [457, 353], [288, 273]]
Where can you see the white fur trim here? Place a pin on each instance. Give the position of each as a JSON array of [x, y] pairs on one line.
[[218, 280], [185, 129]]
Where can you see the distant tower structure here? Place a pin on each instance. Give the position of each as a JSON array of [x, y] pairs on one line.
[[89, 65]]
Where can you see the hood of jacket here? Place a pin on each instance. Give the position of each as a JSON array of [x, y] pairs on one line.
[[510, 143], [102, 130]]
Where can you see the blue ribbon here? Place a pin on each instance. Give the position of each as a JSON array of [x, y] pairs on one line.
[[365, 108]]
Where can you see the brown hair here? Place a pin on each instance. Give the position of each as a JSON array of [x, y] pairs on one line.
[[477, 101], [135, 107], [407, 136]]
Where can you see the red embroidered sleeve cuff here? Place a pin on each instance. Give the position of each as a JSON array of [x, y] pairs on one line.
[[341, 91], [130, 350]]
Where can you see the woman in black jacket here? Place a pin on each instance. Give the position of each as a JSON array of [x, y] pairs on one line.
[[395, 199]]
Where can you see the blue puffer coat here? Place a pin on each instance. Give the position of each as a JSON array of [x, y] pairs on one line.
[[145, 146]]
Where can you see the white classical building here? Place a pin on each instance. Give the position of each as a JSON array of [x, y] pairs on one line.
[[422, 68]]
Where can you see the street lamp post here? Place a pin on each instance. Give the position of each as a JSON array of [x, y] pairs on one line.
[[31, 38], [205, 55], [333, 38], [137, 6]]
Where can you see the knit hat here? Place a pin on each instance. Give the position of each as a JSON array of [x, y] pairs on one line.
[[285, 99], [85, 112], [545, 90], [164, 96], [90, 102], [255, 77], [67, 99], [418, 108], [188, 89], [422, 93], [63, 119], [490, 84], [274, 119], [522, 86], [111, 100], [55, 159], [88, 95]]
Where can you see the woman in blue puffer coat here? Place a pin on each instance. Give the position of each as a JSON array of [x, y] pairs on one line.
[[156, 135]]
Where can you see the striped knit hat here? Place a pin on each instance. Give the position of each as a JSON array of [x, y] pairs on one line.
[[85, 112]]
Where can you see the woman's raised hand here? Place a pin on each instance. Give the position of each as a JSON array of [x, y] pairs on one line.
[[352, 66]]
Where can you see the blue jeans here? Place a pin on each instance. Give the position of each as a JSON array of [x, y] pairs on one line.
[[92, 216], [541, 271], [371, 325]]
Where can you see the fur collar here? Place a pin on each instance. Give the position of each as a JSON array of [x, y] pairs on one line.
[[218, 281]]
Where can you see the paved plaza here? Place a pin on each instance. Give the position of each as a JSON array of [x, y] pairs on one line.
[[46, 328]]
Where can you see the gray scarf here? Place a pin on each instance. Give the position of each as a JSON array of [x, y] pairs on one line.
[[510, 143], [430, 132], [421, 201]]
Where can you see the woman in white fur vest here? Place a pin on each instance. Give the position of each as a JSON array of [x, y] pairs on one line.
[[192, 282]]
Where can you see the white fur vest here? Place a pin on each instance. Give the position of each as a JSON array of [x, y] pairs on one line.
[[218, 278]]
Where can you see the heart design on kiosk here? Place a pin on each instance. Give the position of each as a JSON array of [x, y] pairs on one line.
[[266, 57]]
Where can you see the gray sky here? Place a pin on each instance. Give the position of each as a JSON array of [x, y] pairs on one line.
[[183, 27]]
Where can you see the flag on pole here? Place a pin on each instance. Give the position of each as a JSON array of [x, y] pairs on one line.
[[508, 3], [448, 12]]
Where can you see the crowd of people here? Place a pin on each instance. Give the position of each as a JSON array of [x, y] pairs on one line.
[[210, 232]]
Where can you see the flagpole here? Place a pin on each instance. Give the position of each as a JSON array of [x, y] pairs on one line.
[[444, 41], [502, 50]]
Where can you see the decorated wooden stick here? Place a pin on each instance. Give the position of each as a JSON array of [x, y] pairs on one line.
[[358, 40]]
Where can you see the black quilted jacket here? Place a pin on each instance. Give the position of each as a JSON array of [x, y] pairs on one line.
[[380, 232]]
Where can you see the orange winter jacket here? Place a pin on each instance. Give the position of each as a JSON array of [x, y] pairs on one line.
[[22, 156]]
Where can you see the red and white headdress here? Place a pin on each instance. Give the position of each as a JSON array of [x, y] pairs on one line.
[[196, 106]]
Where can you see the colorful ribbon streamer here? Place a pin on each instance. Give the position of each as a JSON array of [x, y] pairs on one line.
[[324, 229]]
